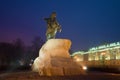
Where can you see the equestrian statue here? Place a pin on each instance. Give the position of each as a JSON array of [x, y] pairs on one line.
[[52, 26]]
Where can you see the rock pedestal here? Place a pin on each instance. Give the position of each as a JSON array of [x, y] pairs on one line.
[[54, 59]]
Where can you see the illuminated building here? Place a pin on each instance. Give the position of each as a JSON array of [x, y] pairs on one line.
[[108, 54]]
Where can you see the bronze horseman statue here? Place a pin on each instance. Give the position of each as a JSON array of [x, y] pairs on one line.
[[52, 26], [54, 58]]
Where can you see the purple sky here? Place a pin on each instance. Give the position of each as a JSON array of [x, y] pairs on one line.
[[87, 23]]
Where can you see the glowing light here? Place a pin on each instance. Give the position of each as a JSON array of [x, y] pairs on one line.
[[21, 62], [77, 59], [30, 64], [103, 53], [84, 67]]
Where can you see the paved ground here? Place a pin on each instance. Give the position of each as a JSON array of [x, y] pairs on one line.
[[29, 75]]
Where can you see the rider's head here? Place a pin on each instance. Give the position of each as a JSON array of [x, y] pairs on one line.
[[53, 15]]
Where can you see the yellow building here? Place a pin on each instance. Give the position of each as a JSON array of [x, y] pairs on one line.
[[108, 54]]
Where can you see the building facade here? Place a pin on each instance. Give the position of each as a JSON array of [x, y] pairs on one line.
[[108, 54]]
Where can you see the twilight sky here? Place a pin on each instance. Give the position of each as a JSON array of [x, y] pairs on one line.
[[87, 23]]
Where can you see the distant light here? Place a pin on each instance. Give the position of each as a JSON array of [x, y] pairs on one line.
[[21, 62], [77, 59], [103, 53], [30, 64], [32, 60], [84, 67]]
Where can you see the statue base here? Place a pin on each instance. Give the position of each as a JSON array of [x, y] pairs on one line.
[[54, 59]]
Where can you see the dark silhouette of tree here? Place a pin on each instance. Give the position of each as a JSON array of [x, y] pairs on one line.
[[7, 52], [19, 49], [10, 53], [36, 45]]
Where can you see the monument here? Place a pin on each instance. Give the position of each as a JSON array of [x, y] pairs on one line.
[[52, 26], [54, 58]]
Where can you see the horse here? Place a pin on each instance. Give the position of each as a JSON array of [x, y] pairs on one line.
[[52, 29]]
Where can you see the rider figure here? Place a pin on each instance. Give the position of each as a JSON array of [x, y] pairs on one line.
[[52, 26]]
